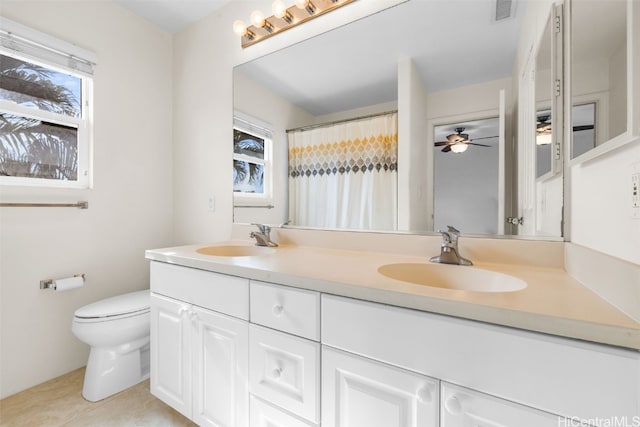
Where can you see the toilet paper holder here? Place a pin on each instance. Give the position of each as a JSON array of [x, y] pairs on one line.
[[49, 283]]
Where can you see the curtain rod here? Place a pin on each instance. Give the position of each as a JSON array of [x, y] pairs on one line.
[[319, 125]]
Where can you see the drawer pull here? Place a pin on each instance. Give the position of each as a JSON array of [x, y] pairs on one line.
[[424, 395], [277, 310], [277, 373], [453, 405]]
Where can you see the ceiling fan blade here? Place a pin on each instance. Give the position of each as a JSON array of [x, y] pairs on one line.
[[583, 127], [441, 143], [479, 145], [484, 137], [446, 149]]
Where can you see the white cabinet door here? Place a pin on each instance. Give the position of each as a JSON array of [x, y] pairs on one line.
[[170, 353], [462, 407], [220, 360], [359, 392]]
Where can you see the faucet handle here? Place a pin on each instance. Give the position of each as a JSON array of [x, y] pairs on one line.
[[451, 229], [446, 236], [262, 227]]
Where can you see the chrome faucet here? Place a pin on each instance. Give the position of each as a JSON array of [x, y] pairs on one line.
[[449, 248], [263, 237]]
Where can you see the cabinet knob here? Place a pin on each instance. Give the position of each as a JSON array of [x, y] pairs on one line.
[[424, 395], [453, 405], [193, 315], [277, 310], [182, 311], [277, 373]]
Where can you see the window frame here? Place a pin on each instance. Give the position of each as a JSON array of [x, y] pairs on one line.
[[260, 130], [83, 123]]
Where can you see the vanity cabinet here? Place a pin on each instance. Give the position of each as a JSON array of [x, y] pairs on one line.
[[199, 357], [361, 392], [229, 351]]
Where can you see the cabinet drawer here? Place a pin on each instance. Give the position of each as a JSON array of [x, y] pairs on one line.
[[265, 415], [285, 371], [296, 311], [461, 407], [218, 292]]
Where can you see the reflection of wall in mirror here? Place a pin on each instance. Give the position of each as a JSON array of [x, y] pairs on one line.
[[256, 101], [599, 63]]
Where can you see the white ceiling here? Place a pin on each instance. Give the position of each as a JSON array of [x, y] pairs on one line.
[[172, 15]]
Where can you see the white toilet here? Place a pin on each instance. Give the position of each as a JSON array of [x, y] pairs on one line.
[[117, 329]]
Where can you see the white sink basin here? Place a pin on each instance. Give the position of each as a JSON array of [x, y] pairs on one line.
[[453, 277], [235, 250]]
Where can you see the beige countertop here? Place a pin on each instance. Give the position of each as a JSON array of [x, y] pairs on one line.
[[553, 302]]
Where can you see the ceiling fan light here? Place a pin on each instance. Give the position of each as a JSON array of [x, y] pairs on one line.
[[459, 147], [543, 139]]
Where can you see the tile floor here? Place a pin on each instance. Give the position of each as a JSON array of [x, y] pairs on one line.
[[59, 402]]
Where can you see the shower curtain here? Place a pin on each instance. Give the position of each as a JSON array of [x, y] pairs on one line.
[[345, 175]]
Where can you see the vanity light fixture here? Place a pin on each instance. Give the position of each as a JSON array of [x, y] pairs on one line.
[[283, 18]]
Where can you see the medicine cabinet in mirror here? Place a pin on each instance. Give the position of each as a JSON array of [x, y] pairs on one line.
[[443, 70]]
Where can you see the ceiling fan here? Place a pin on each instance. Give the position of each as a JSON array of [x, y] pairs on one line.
[[459, 142], [543, 129]]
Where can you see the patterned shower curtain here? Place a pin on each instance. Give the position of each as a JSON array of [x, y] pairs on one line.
[[345, 175]]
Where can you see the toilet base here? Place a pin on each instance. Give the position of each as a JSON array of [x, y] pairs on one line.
[[112, 370]]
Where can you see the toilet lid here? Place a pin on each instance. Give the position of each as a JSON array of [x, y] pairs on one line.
[[116, 306]]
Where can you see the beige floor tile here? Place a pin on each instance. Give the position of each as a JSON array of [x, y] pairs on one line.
[[59, 402]]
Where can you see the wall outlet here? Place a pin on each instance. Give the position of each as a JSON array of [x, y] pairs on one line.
[[212, 203], [635, 191]]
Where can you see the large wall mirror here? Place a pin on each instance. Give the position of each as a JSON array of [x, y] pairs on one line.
[[432, 93]]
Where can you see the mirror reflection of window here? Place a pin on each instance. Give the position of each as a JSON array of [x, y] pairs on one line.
[[583, 119], [251, 162], [248, 166], [466, 165]]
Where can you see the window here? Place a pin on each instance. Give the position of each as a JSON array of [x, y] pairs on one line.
[[251, 162], [45, 100]]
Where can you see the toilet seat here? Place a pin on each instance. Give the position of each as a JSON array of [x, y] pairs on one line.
[[126, 305]]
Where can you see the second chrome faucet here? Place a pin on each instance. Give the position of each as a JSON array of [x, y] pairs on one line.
[[449, 253]]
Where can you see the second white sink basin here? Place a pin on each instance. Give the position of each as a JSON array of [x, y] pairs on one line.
[[453, 277], [235, 250]]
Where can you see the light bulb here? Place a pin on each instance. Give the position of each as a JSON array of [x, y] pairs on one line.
[[257, 18], [543, 139], [302, 3], [279, 9], [239, 27], [459, 147]]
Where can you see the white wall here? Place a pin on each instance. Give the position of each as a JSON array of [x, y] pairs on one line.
[[130, 206], [601, 204]]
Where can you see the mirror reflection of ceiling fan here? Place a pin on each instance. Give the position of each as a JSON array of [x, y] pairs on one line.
[[459, 142], [543, 129]]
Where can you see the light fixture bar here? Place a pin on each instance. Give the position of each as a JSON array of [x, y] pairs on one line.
[[290, 17]]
